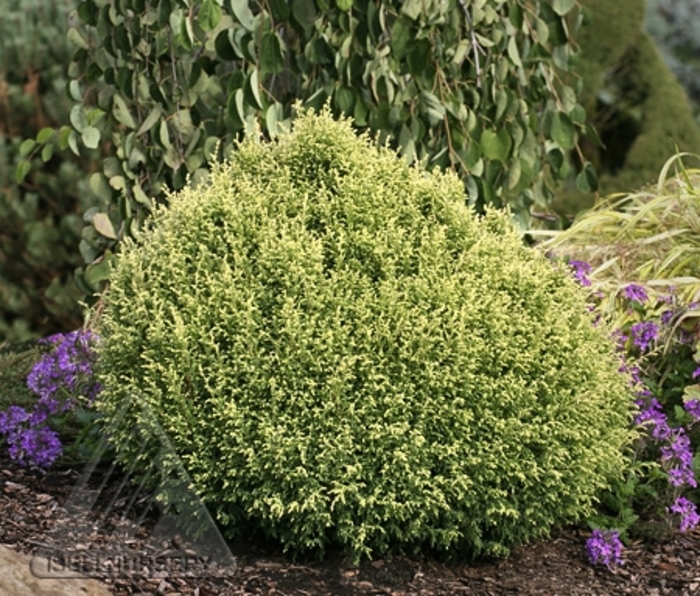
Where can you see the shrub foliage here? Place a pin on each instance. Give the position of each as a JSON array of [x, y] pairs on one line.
[[343, 353]]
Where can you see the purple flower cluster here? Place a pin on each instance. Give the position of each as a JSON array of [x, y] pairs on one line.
[[604, 547], [678, 453], [639, 336], [644, 334], [692, 407], [65, 372], [581, 269], [688, 512], [635, 293], [651, 416], [68, 366]]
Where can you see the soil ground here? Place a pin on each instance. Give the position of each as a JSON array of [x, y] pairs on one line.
[[31, 503]]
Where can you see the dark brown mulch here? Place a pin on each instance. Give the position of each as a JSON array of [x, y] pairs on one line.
[[31, 506]]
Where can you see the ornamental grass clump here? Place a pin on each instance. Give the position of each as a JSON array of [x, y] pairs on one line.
[[342, 353]]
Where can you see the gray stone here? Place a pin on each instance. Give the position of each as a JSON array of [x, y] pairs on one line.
[[17, 579]]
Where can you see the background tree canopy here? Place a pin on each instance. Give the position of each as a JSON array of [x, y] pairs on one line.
[[640, 111], [471, 85], [479, 86]]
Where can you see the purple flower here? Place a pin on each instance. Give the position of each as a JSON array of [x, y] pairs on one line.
[[581, 269], [696, 373], [43, 408], [653, 417], [679, 453], [67, 367], [39, 446], [635, 292], [666, 317], [12, 418], [688, 512], [692, 406], [643, 334], [604, 547], [681, 476]]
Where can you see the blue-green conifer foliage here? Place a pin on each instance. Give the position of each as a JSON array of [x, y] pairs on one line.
[[342, 353]]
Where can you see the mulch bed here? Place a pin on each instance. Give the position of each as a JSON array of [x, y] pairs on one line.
[[31, 506]]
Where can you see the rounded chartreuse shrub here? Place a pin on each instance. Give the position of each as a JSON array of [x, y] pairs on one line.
[[341, 353]]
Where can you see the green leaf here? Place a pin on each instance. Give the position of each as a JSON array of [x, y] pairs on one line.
[[63, 136], [345, 4], [513, 52], [224, 46], [91, 137], [103, 225], [87, 251], [141, 197], [587, 180], [542, 32], [562, 7], [186, 33], [304, 12], [433, 107], [74, 91], [556, 158], [400, 38], [77, 39], [360, 114], [271, 118], [578, 114], [164, 135], [182, 121], [117, 182], [44, 134], [496, 145], [23, 168], [316, 99], [418, 57], [563, 131], [121, 112], [344, 100], [97, 272], [279, 10], [77, 117], [235, 110], [150, 120], [47, 152], [514, 173], [515, 15], [73, 142], [271, 55], [100, 188], [27, 147], [252, 90], [209, 15], [243, 14], [412, 8]]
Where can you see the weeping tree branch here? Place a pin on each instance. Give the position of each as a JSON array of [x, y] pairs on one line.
[[476, 46]]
